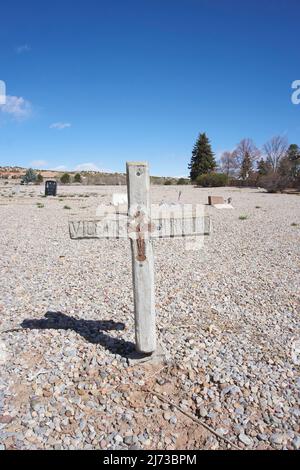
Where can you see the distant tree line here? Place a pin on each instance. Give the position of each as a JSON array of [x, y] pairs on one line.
[[31, 176], [98, 178], [275, 167]]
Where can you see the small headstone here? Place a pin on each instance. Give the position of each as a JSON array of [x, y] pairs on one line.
[[50, 188], [212, 200]]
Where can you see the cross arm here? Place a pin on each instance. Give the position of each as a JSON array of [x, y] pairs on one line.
[[117, 228]]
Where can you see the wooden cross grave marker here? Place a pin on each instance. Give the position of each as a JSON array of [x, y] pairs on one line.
[[141, 224]]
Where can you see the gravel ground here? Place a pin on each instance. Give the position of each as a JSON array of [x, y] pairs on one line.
[[227, 318]]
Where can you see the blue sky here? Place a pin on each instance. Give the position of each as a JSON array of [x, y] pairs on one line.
[[102, 82]]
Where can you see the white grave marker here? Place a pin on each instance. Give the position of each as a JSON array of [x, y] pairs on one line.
[[141, 225], [119, 198]]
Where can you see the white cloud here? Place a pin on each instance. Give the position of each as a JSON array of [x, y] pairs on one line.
[[87, 167], [81, 167], [60, 125], [16, 107], [2, 92], [22, 48], [38, 163]]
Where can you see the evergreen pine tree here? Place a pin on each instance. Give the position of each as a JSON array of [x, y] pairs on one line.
[[262, 167], [246, 166], [293, 155], [203, 160], [30, 176], [293, 152]]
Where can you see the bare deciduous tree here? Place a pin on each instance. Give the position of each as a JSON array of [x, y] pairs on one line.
[[229, 163], [246, 148], [275, 150]]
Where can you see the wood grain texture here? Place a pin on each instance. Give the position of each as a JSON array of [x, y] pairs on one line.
[[116, 226], [138, 187]]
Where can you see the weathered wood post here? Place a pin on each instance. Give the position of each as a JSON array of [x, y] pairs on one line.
[[138, 188], [141, 227]]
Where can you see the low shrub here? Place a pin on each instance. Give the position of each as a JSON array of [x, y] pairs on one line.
[[274, 182], [77, 178], [65, 179], [182, 181], [210, 180], [39, 179]]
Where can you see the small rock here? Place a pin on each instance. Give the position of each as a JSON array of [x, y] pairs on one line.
[[173, 420], [277, 438], [118, 439], [203, 411], [6, 419], [160, 381], [103, 444], [245, 439], [70, 352], [296, 443], [222, 431], [128, 440], [239, 410], [262, 437]]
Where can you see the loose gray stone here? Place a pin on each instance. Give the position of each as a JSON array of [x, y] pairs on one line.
[[277, 438], [128, 440], [118, 439], [262, 437], [296, 443], [203, 411], [245, 439], [173, 420]]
